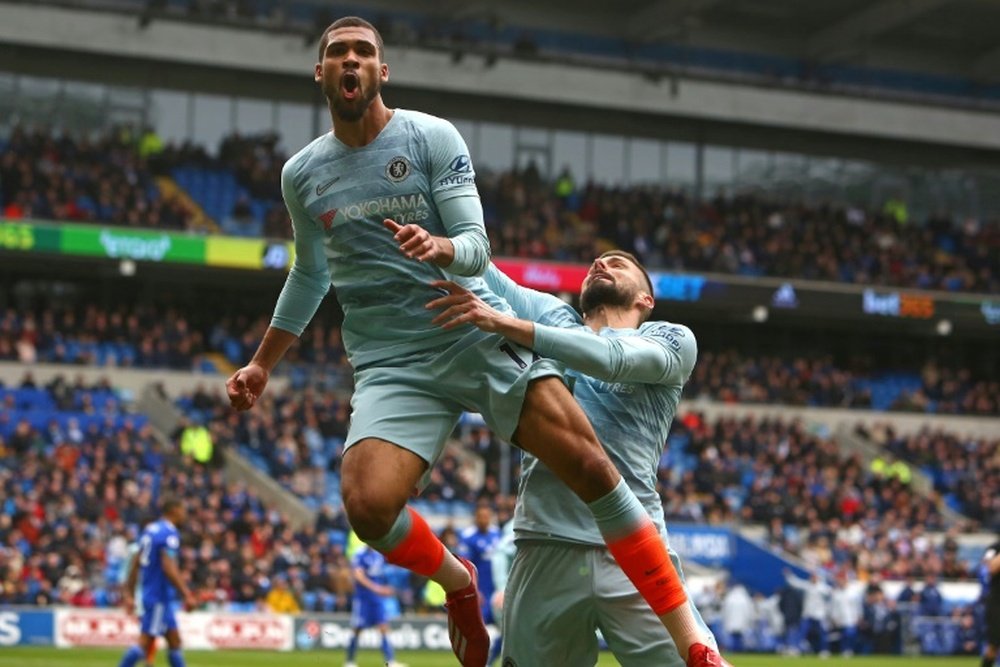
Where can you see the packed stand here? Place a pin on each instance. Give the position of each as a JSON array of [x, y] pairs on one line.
[[298, 437], [44, 176], [965, 470], [944, 390], [752, 235], [148, 336], [76, 494], [105, 178], [731, 377]]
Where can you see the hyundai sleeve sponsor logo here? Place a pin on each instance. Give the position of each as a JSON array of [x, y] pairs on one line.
[[785, 297], [461, 164], [678, 288], [991, 311]]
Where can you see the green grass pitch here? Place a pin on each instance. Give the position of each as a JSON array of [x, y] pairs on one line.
[[47, 657]]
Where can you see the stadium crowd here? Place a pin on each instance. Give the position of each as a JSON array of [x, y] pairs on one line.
[[816, 502], [109, 179], [46, 175], [151, 336], [965, 470], [74, 498]]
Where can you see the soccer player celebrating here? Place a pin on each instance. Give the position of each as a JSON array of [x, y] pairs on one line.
[[368, 604], [629, 373], [991, 588], [157, 561], [386, 181]]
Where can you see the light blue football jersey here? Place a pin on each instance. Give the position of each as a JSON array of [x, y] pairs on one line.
[[417, 170], [632, 419]]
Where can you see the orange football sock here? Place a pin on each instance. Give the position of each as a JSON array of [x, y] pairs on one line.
[[420, 550], [643, 557]]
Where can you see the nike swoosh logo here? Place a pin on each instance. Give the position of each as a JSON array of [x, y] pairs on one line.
[[323, 187]]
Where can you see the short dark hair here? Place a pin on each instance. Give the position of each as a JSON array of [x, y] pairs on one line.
[[635, 260], [169, 502], [351, 22]]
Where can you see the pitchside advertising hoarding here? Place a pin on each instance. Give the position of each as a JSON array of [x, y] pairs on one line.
[[24, 627], [200, 630], [333, 632]]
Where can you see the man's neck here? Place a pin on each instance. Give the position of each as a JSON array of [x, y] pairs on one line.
[[363, 131], [616, 318]]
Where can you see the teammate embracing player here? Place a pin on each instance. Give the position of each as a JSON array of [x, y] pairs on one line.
[[390, 180], [628, 374]]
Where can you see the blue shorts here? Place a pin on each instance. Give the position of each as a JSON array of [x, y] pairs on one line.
[[367, 613], [158, 619]]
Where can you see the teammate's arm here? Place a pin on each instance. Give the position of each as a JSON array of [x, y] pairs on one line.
[[529, 304], [377, 589], [663, 355], [128, 597], [306, 285]]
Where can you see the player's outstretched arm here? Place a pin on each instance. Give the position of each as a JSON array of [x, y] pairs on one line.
[[307, 283], [246, 385], [664, 354]]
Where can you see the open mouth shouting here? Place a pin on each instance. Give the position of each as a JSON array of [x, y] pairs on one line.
[[350, 85]]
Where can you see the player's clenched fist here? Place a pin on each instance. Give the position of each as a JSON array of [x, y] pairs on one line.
[[245, 386], [417, 243]]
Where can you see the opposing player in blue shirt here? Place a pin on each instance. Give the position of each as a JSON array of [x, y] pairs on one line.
[[627, 373], [476, 544], [381, 206], [157, 564], [368, 605]]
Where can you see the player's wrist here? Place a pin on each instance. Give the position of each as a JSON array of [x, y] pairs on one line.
[[445, 254]]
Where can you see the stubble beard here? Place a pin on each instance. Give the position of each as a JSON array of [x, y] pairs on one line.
[[604, 293], [351, 111]]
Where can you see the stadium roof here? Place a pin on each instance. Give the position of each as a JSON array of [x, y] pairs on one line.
[[956, 37]]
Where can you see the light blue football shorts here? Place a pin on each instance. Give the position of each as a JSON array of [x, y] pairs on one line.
[[416, 403], [559, 594]]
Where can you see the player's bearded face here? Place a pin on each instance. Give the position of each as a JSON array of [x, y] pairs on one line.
[[351, 92]]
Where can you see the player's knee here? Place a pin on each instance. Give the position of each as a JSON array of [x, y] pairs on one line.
[[370, 516], [597, 470], [596, 475]]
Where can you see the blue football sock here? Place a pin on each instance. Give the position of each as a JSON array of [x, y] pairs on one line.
[[176, 658], [131, 657], [352, 647], [387, 651]]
